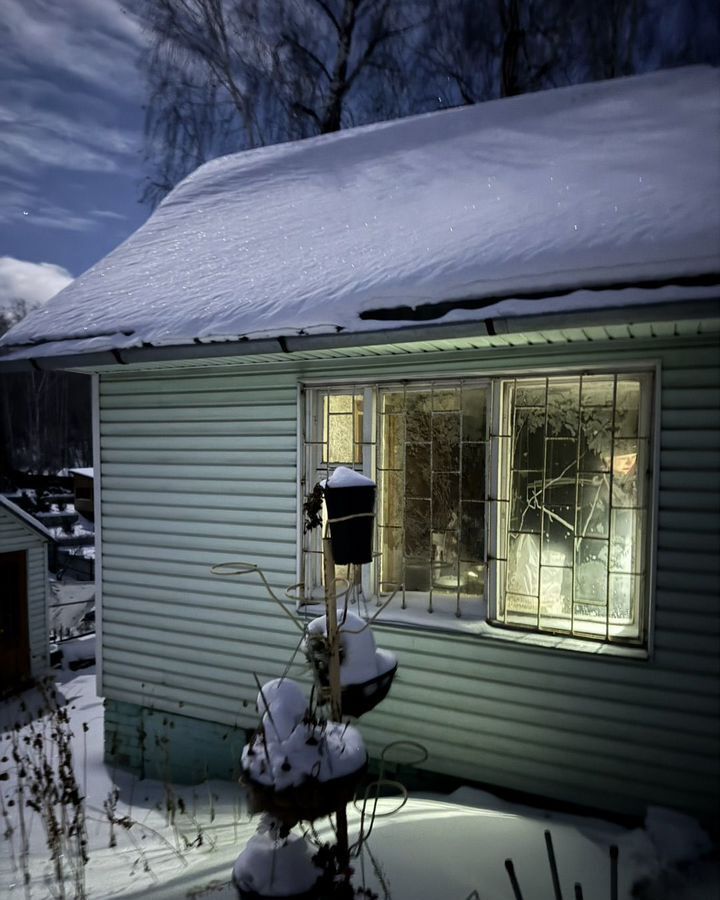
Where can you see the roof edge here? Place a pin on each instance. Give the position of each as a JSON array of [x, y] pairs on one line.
[[285, 345]]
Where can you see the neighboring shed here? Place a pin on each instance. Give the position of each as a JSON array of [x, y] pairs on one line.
[[83, 489], [507, 315], [23, 600]]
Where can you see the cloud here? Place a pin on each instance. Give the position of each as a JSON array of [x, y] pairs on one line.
[[22, 206], [96, 42], [73, 92], [29, 283]]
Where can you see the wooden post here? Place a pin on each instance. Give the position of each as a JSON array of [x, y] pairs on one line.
[[333, 636]]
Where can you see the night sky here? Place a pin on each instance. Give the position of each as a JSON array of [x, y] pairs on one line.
[[71, 123]]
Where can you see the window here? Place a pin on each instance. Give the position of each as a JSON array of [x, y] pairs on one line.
[[518, 502]]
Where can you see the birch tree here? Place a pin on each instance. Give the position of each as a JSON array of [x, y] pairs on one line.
[[227, 75]]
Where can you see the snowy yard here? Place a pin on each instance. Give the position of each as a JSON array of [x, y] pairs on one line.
[[148, 839]]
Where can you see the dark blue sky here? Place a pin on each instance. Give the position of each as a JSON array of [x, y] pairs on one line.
[[70, 132]]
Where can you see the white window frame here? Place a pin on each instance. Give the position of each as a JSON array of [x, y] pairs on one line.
[[312, 389]]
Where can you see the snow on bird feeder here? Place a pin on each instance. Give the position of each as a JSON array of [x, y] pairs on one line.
[[350, 504], [296, 767], [366, 672]]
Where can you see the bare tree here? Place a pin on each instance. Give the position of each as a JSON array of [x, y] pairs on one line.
[[479, 51], [227, 75], [44, 416]]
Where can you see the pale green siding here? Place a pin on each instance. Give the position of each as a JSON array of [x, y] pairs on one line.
[[199, 467], [14, 535]]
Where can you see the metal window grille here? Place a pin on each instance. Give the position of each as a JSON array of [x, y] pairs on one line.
[[572, 457]]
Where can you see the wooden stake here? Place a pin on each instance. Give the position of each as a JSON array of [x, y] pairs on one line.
[[332, 632], [333, 636]]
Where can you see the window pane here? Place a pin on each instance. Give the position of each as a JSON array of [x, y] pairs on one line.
[[445, 501], [575, 527], [433, 435], [473, 471], [342, 429], [474, 406], [446, 442], [417, 470], [417, 528]]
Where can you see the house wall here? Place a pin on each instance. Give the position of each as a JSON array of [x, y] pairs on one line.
[[199, 467], [15, 536]]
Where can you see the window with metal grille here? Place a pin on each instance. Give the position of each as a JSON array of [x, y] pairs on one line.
[[573, 469], [521, 502]]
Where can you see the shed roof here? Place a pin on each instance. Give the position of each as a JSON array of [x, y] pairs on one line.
[[24, 518], [592, 196], [86, 472]]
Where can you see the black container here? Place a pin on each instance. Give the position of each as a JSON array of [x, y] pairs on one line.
[[305, 802], [351, 538]]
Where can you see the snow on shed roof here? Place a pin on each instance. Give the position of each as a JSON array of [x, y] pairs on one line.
[[25, 518], [507, 207], [86, 472]]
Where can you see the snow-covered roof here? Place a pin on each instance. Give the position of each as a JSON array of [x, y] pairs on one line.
[[507, 208], [25, 518], [86, 472]]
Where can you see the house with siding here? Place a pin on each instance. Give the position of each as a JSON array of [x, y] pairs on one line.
[[507, 315], [24, 546]]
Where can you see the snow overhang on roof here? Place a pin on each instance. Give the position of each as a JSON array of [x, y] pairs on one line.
[[25, 518], [569, 202], [86, 472]]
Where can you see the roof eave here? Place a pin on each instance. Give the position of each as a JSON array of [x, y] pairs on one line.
[[480, 327]]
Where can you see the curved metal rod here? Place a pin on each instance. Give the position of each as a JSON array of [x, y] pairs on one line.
[[246, 568]]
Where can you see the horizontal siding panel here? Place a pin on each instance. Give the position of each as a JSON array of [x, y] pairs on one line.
[[250, 618], [230, 381], [692, 376], [687, 561], [276, 415], [258, 398], [172, 459], [691, 542], [658, 709], [152, 527], [591, 752], [166, 472], [688, 622], [684, 661], [252, 433], [686, 480], [685, 579], [577, 724], [681, 521], [629, 681], [188, 562], [703, 460], [690, 439], [217, 684], [185, 699], [692, 419], [576, 768], [237, 441], [184, 578], [152, 515], [276, 497], [199, 545], [253, 622], [691, 398], [176, 650]]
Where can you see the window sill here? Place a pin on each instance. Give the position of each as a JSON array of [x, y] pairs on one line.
[[474, 623]]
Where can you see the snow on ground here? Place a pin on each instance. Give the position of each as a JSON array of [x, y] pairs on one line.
[[582, 186], [70, 600], [180, 842]]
